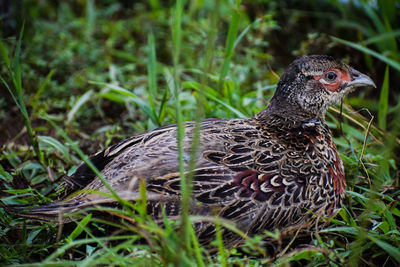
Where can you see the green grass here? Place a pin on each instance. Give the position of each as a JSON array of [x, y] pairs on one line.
[[81, 76]]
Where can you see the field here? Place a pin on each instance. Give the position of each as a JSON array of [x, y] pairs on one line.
[[79, 76]]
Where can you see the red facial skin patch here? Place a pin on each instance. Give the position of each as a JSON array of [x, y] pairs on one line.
[[342, 76]]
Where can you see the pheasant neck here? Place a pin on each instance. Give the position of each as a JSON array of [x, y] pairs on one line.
[[286, 116]]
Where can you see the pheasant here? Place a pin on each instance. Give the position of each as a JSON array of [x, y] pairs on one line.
[[277, 170]]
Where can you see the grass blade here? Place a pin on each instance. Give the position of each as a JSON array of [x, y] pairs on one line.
[[230, 43], [185, 187], [4, 54], [390, 62], [214, 98], [391, 250], [41, 88], [220, 242], [151, 64], [152, 74], [381, 37], [78, 104], [5, 176], [48, 140], [383, 101], [145, 107], [79, 228], [17, 92]]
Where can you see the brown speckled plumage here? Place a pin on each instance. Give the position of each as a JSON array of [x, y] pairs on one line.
[[275, 170]]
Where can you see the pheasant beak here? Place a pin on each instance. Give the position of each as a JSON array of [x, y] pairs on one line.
[[359, 80]]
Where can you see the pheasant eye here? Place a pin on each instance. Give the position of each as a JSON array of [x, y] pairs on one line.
[[330, 76]]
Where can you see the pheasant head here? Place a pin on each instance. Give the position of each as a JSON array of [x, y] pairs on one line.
[[312, 84]]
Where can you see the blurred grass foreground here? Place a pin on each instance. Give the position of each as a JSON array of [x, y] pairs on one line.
[[78, 76]]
